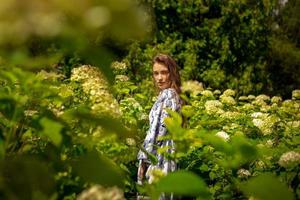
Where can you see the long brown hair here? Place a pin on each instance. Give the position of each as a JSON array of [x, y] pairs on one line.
[[172, 67]]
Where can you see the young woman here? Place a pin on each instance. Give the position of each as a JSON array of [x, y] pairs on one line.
[[167, 81]]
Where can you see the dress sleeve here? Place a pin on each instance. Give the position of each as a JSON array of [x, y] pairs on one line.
[[171, 101]]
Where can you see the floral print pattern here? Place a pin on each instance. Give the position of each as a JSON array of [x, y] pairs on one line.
[[167, 99]]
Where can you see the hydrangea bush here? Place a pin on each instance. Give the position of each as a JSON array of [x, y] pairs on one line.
[[269, 124]]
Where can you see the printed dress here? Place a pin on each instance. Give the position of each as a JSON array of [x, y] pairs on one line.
[[168, 98]]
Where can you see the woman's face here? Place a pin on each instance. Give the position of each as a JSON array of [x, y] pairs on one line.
[[161, 76]]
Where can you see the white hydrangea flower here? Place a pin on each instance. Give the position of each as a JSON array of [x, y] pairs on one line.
[[229, 92], [213, 107], [130, 141], [260, 164], [290, 106], [207, 93], [133, 102], [228, 100], [257, 114], [119, 66], [223, 135], [259, 102], [270, 143], [263, 97], [122, 78], [258, 123], [243, 98], [98, 192], [264, 122], [251, 97], [95, 86], [276, 99], [243, 173], [287, 103], [230, 115], [265, 108], [30, 113], [49, 75], [289, 159], [217, 92], [296, 94], [294, 124], [247, 107], [194, 87]]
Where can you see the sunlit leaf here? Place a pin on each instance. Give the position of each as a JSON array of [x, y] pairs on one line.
[[96, 168], [52, 129], [187, 110], [183, 183], [105, 121], [267, 186]]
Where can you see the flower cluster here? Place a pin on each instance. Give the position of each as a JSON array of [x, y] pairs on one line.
[[227, 100], [243, 98], [223, 135], [193, 87], [243, 173], [230, 115], [119, 67], [264, 122], [122, 78], [229, 92], [52, 76], [207, 94], [213, 107], [289, 159], [296, 94], [261, 100], [290, 106], [95, 86], [98, 192], [132, 110], [276, 99], [30, 113]]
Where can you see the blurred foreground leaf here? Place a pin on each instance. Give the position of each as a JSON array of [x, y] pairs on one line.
[[107, 122], [96, 168], [26, 178], [183, 183], [52, 129], [265, 187]]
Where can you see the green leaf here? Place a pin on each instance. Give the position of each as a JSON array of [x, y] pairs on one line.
[[174, 123], [107, 122], [23, 176], [96, 168], [52, 129], [187, 111], [267, 186], [183, 183]]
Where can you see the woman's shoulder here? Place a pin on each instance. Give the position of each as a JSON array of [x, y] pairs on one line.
[[169, 93]]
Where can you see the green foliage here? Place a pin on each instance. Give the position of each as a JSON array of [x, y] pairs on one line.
[[183, 183], [71, 127], [267, 186], [222, 43]]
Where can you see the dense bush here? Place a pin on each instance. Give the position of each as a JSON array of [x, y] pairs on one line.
[[221, 43]]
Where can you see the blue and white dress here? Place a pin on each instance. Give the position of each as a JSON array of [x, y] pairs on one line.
[[168, 98]]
